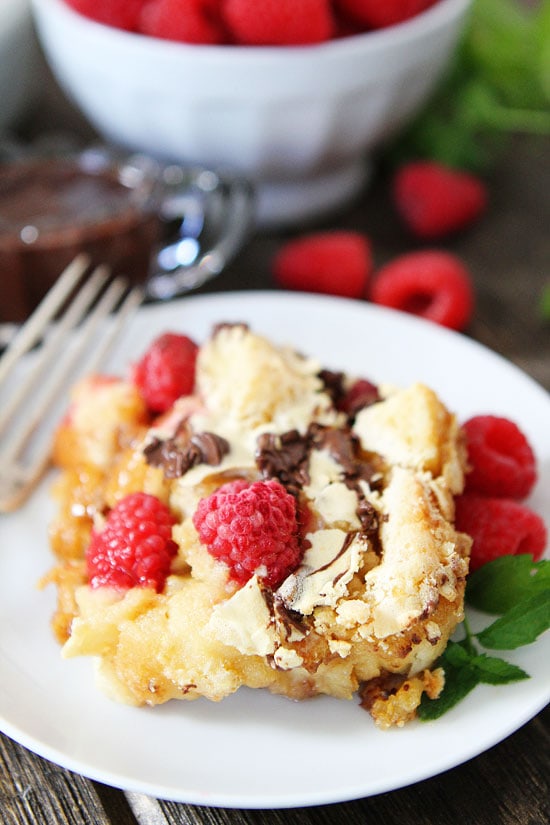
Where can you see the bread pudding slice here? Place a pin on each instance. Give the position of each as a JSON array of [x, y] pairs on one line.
[[377, 574]]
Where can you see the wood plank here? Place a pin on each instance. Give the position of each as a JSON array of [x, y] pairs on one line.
[[34, 790]]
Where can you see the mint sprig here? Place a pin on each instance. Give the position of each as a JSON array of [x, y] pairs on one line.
[[521, 625], [502, 583], [545, 295], [519, 590], [497, 85]]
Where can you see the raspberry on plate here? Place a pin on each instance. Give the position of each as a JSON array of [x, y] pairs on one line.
[[332, 262], [188, 21], [361, 394], [431, 283], [252, 528], [434, 200], [278, 22], [499, 527], [166, 371], [122, 14], [501, 459], [135, 547], [377, 14]]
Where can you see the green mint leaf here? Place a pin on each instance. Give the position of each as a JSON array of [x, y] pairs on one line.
[[542, 41], [521, 625], [494, 671], [545, 297], [502, 47], [500, 584], [459, 682], [455, 655], [497, 84]]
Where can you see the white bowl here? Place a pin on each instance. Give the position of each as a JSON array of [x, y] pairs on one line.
[[18, 60], [299, 121]]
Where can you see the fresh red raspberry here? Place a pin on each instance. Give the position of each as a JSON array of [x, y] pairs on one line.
[[252, 528], [362, 393], [278, 22], [187, 21], [166, 371], [499, 527], [434, 200], [377, 14], [122, 14], [431, 283], [334, 262], [502, 461], [346, 26], [135, 547]]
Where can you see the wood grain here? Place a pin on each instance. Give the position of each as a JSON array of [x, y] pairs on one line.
[[34, 790]]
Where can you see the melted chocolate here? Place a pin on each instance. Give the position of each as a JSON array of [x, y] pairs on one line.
[[334, 385], [286, 457], [51, 210], [178, 454]]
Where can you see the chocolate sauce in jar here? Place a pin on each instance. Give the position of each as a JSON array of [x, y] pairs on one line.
[[52, 209]]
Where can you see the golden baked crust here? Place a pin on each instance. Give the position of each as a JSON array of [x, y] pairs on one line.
[[380, 587]]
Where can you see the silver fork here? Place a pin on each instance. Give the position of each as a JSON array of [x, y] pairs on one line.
[[33, 383]]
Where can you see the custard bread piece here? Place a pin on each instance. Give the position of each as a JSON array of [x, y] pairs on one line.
[[378, 589]]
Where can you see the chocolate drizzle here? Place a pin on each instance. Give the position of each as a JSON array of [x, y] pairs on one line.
[[286, 457], [334, 385], [345, 544], [178, 454], [291, 623], [349, 400]]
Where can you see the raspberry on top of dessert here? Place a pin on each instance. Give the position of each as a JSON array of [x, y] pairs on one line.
[[312, 547]]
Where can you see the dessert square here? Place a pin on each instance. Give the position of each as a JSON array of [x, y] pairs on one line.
[[311, 546]]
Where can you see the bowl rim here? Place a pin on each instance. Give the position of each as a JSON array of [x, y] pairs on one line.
[[426, 22]]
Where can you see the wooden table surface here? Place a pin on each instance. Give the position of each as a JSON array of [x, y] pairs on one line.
[[508, 254]]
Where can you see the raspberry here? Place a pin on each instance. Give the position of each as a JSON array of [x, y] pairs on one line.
[[499, 527], [361, 394], [166, 371], [252, 528], [377, 14], [122, 14], [187, 21], [135, 547], [333, 262], [434, 200], [430, 283], [502, 461], [278, 22]]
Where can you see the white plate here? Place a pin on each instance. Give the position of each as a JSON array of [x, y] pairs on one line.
[[255, 750]]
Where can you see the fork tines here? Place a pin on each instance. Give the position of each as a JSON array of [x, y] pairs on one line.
[[72, 330]]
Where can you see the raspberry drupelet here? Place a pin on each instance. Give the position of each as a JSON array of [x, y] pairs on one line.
[[135, 547], [431, 283], [252, 528], [333, 262], [434, 200], [166, 371], [502, 462], [378, 14], [499, 527], [278, 22]]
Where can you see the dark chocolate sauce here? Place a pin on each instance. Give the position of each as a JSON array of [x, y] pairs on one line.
[[51, 210]]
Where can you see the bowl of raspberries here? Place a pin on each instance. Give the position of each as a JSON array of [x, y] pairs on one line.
[[294, 95]]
